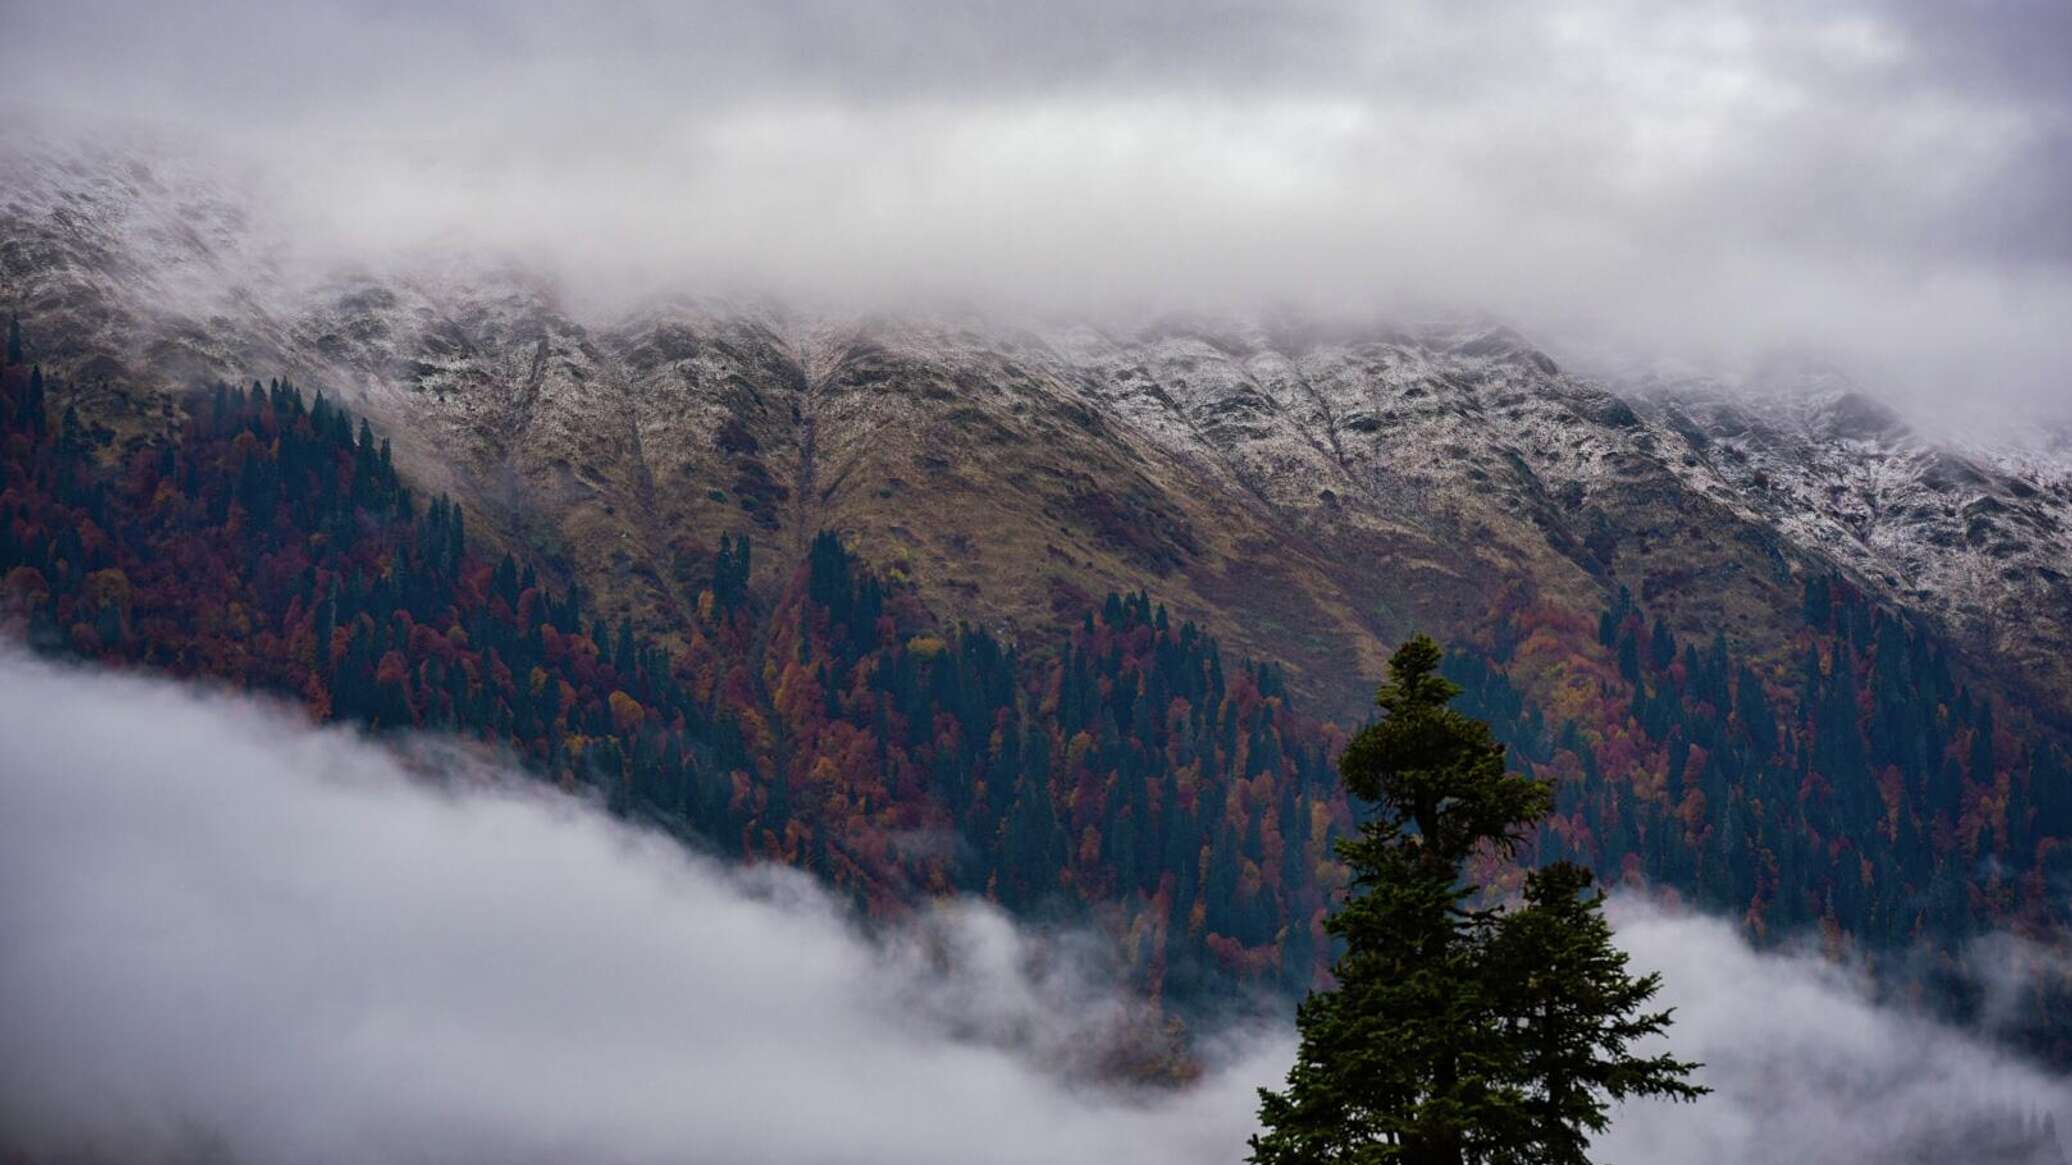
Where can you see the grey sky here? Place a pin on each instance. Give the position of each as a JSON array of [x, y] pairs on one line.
[[227, 936], [1884, 178]]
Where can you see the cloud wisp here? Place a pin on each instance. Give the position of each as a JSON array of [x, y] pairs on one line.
[[225, 933]]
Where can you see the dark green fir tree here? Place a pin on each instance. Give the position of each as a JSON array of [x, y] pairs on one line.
[[1459, 1032]]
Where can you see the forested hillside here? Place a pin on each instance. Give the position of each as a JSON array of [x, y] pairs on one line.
[[1865, 788], [1129, 773], [834, 725], [1865, 795]]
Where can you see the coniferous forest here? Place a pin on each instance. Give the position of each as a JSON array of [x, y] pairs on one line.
[[1133, 774]]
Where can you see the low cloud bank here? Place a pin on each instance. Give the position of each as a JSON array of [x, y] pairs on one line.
[[221, 927], [226, 935], [1882, 181], [1809, 1069]]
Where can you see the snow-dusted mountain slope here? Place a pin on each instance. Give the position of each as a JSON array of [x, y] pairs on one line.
[[1979, 537], [1308, 491]]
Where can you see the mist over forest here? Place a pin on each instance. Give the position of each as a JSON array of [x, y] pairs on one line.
[[235, 935]]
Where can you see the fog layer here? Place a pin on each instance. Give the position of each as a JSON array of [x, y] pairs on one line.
[[222, 931]]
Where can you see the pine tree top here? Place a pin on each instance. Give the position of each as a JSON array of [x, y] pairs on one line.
[[1459, 1034]]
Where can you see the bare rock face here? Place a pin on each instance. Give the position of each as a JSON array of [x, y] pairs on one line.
[[1311, 493]]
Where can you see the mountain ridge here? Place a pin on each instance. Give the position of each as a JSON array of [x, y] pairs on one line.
[[1323, 488]]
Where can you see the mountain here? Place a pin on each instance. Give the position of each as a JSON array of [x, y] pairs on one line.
[[1316, 491], [1975, 538], [1041, 609]]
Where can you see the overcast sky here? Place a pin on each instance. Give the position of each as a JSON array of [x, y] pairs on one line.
[[227, 936], [1887, 179]]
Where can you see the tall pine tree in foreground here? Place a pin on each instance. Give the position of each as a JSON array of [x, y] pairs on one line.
[[1459, 1032]]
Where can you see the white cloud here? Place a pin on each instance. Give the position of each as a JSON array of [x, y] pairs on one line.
[[223, 932], [1809, 1069], [221, 927], [1880, 179]]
